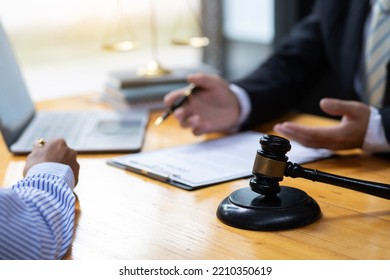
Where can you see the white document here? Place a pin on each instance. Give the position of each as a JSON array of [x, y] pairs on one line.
[[202, 164]]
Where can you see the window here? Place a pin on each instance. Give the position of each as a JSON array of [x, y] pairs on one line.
[[248, 28], [249, 20], [59, 43]]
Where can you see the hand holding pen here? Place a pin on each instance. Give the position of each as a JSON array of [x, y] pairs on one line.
[[178, 103], [213, 108]]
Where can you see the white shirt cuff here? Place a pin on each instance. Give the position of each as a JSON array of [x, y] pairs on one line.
[[56, 169], [243, 100], [375, 140]]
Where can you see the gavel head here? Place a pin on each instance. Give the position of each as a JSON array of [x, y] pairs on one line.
[[270, 165]]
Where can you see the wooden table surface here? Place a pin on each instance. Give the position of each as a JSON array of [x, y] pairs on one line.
[[122, 215]]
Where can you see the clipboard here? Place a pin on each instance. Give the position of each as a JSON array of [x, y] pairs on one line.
[[207, 163]]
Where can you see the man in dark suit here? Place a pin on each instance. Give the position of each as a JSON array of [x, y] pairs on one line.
[[327, 48]]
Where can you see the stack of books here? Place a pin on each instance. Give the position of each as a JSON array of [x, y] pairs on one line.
[[126, 87]]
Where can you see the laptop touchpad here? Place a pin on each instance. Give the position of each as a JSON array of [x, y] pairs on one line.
[[118, 127]]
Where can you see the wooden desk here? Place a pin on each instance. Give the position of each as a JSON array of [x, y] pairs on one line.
[[121, 215]]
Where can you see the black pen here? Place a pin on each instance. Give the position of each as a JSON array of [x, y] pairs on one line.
[[178, 102]]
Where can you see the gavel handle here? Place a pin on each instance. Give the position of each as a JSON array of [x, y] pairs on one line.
[[377, 189]]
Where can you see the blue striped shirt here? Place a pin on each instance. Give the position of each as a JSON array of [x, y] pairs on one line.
[[37, 214]]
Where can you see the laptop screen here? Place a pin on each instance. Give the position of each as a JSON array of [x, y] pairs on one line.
[[16, 106]]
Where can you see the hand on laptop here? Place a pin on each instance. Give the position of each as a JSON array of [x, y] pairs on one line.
[[53, 151]]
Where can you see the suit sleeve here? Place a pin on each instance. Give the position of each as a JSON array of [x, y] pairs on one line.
[[385, 113], [283, 80]]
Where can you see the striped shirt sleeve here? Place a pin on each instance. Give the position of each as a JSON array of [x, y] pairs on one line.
[[37, 214]]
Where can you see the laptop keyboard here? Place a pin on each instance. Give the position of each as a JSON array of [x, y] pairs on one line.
[[71, 126]]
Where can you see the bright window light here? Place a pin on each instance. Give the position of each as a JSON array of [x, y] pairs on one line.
[[59, 43]]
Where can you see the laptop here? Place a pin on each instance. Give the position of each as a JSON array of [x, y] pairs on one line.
[[94, 131]]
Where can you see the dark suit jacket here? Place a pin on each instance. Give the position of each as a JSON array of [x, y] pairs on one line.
[[319, 58]]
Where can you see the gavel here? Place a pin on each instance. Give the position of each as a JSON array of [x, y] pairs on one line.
[[268, 206], [271, 165]]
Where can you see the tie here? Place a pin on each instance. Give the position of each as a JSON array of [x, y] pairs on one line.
[[377, 52]]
